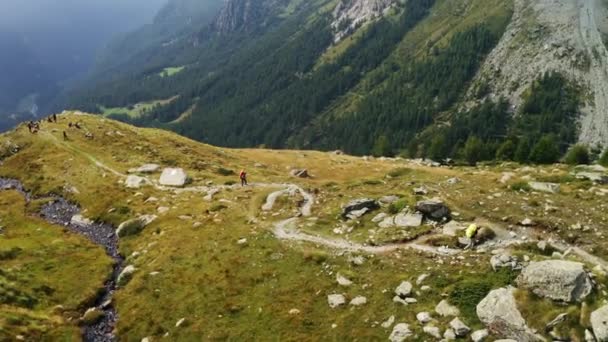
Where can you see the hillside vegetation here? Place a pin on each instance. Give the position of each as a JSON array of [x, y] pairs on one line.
[[231, 267]]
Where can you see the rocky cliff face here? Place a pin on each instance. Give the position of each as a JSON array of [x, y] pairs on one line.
[[246, 15], [351, 14], [555, 35]]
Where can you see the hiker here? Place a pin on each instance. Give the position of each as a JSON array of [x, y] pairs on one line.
[[70, 124], [470, 234], [243, 176], [55, 118], [65, 136], [77, 125], [30, 125]]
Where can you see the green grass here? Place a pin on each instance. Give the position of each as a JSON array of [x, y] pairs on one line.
[[135, 111], [170, 71]]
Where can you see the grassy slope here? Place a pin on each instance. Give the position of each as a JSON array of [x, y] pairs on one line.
[[231, 291], [47, 270]]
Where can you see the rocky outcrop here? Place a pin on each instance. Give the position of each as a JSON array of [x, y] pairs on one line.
[[560, 280], [134, 226], [498, 311], [173, 177], [352, 14], [359, 207], [434, 209], [244, 15], [545, 187]]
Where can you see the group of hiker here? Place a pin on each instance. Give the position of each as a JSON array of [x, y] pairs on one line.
[[34, 126]]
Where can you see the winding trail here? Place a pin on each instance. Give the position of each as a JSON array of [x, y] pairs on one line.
[[60, 212]]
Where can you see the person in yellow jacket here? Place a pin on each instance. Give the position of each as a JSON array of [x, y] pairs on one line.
[[470, 234]]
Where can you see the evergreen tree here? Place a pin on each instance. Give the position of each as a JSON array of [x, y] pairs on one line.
[[578, 155], [522, 153], [506, 151], [438, 147], [604, 159], [382, 147], [545, 151], [473, 150]]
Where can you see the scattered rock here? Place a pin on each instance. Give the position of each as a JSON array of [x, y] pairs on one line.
[[91, 316], [421, 278], [542, 245], [595, 177], [498, 311], [379, 218], [504, 260], [405, 220], [556, 321], [557, 279], [599, 323], [356, 214], [175, 177], [404, 289], [343, 281], [146, 168], [180, 322], [359, 204], [527, 223], [506, 177], [125, 276], [335, 300], [79, 220], [479, 335], [460, 329], [388, 323], [358, 301], [434, 209], [134, 226], [242, 241], [432, 330], [449, 335], [444, 309], [294, 312], [552, 188], [453, 181], [423, 317], [300, 173], [453, 228], [420, 191], [400, 333], [388, 199], [135, 182]]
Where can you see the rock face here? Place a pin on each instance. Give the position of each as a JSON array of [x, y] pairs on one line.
[[239, 15], [135, 182], [498, 311], [146, 168], [400, 333], [545, 187], [359, 204], [434, 209], [173, 177], [599, 323], [557, 279], [351, 14], [134, 226]]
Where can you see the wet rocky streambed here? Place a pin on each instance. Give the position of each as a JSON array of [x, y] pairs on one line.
[[60, 212]]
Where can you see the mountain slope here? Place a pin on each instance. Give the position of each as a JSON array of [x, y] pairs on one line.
[[375, 76], [275, 259]]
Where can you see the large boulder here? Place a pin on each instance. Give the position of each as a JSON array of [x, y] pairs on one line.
[[125, 276], [134, 226], [498, 312], [552, 188], [300, 173], [434, 209], [599, 323], [560, 280], [358, 205], [595, 177], [173, 177], [79, 220]]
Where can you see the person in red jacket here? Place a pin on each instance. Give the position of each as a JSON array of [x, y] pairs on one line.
[[243, 176]]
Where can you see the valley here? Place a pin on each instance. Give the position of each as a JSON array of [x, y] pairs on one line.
[[333, 255]]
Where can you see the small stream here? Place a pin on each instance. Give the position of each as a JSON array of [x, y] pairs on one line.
[[60, 212]]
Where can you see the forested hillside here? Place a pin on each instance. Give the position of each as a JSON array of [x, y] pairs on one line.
[[279, 73]]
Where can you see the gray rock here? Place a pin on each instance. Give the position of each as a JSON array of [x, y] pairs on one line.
[[444, 309], [404, 289], [498, 312], [504, 260], [387, 222], [556, 321], [379, 218], [335, 300], [356, 214], [460, 329], [552, 188], [343, 281], [405, 220], [125, 276], [449, 334], [432, 330], [390, 199], [135, 182], [557, 279], [400, 333], [358, 301], [599, 323], [388, 323], [453, 228], [79, 220], [420, 191], [589, 336], [433, 209], [300, 173], [423, 317], [359, 204], [175, 177], [134, 226], [480, 335], [146, 168], [595, 177]]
